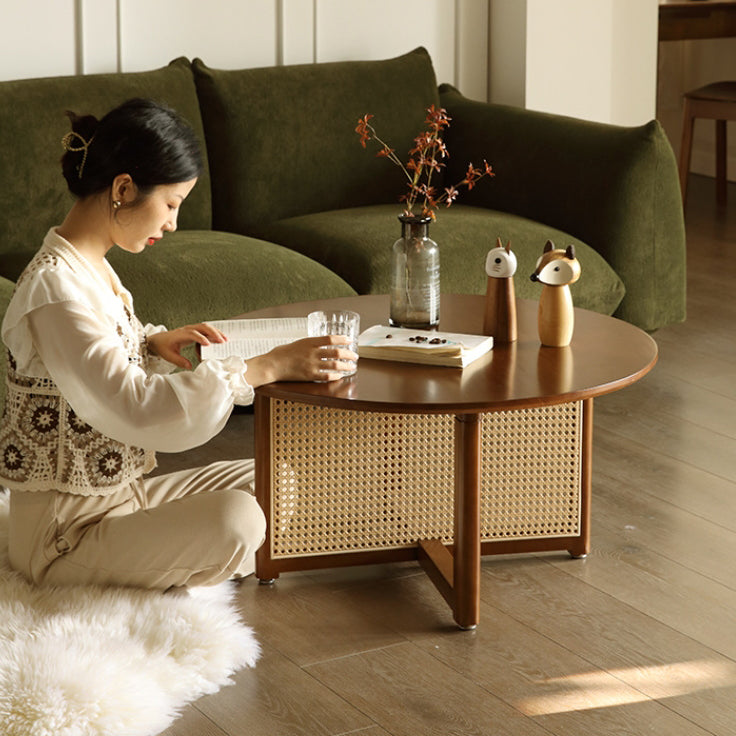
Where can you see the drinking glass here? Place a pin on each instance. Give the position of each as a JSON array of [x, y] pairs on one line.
[[337, 322]]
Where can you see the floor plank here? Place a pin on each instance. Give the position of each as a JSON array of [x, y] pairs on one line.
[[193, 722], [673, 399], [698, 544], [312, 627], [657, 660], [623, 566], [527, 669], [634, 465], [412, 693], [280, 698], [670, 436]]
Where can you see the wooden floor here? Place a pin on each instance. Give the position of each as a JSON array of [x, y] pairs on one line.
[[639, 638]]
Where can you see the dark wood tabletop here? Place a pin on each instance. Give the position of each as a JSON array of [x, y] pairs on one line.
[[605, 355]]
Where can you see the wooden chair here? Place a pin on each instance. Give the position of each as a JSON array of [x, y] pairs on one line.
[[715, 102]]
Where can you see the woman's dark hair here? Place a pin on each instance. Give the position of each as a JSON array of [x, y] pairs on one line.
[[143, 138]]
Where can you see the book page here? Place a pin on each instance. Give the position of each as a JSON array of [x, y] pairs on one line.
[[295, 327], [250, 337]]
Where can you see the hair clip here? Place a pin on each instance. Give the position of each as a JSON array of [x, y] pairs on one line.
[[66, 141]]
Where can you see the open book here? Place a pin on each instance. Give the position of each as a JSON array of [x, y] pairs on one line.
[[422, 346], [250, 337]]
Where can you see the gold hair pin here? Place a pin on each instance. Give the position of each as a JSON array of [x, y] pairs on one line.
[[66, 141]]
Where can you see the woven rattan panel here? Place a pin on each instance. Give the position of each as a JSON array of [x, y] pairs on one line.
[[349, 481]]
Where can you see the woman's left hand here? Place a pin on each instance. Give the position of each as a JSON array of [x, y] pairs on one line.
[[168, 345]]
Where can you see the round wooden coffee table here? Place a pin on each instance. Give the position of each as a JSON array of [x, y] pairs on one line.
[[443, 465]]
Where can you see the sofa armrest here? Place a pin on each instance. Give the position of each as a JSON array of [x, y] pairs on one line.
[[615, 188]]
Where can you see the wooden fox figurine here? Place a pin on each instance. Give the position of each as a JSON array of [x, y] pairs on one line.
[[556, 270], [500, 315]]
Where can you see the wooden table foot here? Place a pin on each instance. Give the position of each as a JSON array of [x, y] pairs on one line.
[[437, 562]]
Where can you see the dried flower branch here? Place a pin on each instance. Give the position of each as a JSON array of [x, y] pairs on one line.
[[425, 158]]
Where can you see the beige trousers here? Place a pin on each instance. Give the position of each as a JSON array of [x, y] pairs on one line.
[[189, 528]]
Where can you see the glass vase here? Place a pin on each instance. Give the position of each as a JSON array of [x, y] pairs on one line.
[[415, 280]]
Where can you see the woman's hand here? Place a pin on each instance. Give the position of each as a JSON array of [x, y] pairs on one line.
[[309, 359], [168, 345]]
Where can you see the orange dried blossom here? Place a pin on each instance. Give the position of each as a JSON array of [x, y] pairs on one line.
[[425, 158]]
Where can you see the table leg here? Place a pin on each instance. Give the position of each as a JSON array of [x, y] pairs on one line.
[[581, 545], [467, 520], [265, 571], [457, 576]]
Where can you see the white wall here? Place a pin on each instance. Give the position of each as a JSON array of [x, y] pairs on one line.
[[592, 59], [56, 37], [37, 38], [634, 60]]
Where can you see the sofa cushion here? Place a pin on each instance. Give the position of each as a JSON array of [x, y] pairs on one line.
[[282, 142], [356, 244], [33, 122], [196, 275]]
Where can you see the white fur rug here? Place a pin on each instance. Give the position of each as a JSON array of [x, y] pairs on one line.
[[93, 661]]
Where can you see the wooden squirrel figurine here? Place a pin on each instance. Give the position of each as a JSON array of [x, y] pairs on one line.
[[556, 270], [500, 314]]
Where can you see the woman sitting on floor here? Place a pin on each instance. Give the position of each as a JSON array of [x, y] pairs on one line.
[[91, 394]]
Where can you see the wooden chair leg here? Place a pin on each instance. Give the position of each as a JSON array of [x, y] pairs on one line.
[[685, 148], [721, 163]]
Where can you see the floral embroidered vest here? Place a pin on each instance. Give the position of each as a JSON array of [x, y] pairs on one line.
[[45, 446]]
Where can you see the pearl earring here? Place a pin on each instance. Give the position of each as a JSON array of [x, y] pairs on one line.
[[116, 204]]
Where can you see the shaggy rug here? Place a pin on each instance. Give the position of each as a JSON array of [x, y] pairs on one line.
[[94, 661]]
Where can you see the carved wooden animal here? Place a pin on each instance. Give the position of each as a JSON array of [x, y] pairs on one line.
[[556, 270], [499, 319]]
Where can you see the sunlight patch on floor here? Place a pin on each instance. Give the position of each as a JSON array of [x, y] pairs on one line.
[[606, 688]]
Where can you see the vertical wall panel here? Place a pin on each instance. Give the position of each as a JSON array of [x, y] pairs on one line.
[[507, 52], [592, 59], [297, 31], [29, 48], [228, 34], [98, 43], [711, 60], [386, 28], [471, 48], [634, 61], [685, 65], [568, 58]]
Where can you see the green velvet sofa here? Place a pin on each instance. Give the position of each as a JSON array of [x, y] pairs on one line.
[[292, 208]]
